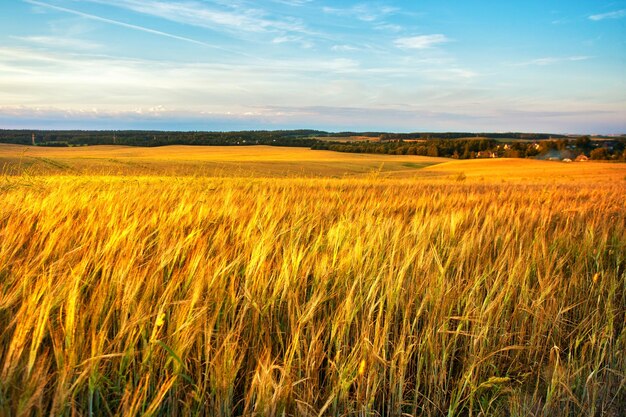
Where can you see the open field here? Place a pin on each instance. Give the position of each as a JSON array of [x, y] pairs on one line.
[[408, 293], [201, 160], [268, 161], [524, 170]]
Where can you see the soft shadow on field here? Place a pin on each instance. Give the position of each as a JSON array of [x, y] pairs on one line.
[[210, 161]]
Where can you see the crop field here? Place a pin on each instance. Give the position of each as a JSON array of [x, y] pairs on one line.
[[269, 281], [214, 161], [530, 170]]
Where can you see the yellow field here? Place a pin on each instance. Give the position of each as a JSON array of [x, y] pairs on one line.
[[410, 293], [532, 170], [269, 161], [219, 161]]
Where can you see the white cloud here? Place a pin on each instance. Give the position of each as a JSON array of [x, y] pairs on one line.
[[115, 22], [618, 14], [36, 77], [389, 27], [344, 48], [304, 43], [59, 42], [451, 74], [364, 12], [421, 42], [285, 39], [232, 17], [55, 87], [293, 2], [552, 60]]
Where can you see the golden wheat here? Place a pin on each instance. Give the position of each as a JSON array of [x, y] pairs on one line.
[[227, 296]]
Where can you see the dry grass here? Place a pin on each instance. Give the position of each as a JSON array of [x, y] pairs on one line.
[[137, 295]]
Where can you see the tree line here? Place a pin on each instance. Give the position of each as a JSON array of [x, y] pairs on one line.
[[385, 136], [301, 138], [460, 145], [469, 148]]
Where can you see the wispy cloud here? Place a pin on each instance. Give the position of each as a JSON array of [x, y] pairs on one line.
[[303, 42], [344, 48], [232, 16], [36, 76], [389, 27], [116, 22], [552, 60], [59, 42], [293, 2], [421, 42], [110, 92], [617, 14], [364, 12], [451, 74]]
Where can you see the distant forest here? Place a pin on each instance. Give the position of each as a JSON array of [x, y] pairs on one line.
[[470, 148], [159, 138], [461, 145]]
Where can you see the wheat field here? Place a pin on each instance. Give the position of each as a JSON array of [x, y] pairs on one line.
[[211, 161], [363, 295]]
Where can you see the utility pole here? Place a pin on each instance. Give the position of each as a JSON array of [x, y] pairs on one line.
[[114, 139], [33, 139]]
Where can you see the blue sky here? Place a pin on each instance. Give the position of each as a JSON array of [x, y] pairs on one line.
[[427, 65]]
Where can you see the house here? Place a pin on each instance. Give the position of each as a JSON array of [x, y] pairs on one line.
[[581, 158]]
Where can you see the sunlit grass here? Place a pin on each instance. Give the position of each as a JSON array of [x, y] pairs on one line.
[[214, 161], [230, 296]]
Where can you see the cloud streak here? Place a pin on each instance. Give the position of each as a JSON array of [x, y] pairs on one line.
[[363, 12], [552, 60], [421, 42], [118, 23], [59, 42], [617, 14], [293, 2], [233, 18]]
